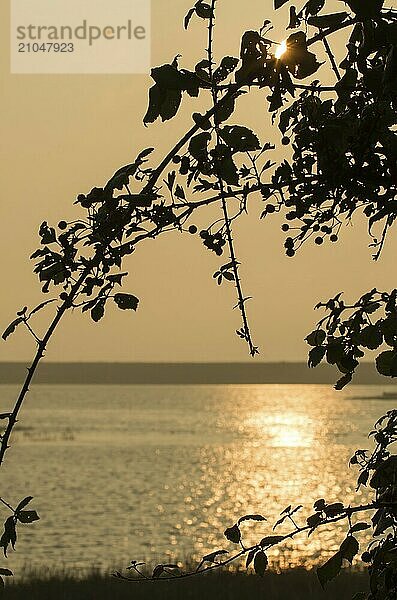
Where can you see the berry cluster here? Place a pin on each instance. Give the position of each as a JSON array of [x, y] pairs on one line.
[[162, 215]]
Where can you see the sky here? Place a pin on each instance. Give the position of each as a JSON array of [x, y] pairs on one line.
[[64, 134]]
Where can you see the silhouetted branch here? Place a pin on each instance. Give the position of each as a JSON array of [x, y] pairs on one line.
[[345, 514]]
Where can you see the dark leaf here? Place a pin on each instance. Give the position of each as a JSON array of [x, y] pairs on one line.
[[225, 109], [271, 540], [330, 569], [203, 10], [316, 355], [314, 6], [276, 99], [279, 3], [319, 505], [334, 509], [198, 146], [188, 17], [157, 571], [227, 66], [98, 311], [250, 557], [213, 555], [239, 139], [314, 520], [343, 381], [9, 536], [260, 563], [385, 474], [126, 301], [226, 167], [365, 10], [300, 62], [144, 154], [179, 193], [233, 534], [229, 276], [27, 516], [12, 327], [363, 478], [349, 548], [324, 21], [359, 527], [386, 363], [371, 337], [137, 199], [294, 20], [316, 338], [23, 503], [170, 104], [47, 233], [6, 572], [116, 278], [156, 97], [251, 518]]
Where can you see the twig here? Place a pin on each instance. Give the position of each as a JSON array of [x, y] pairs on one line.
[[7, 505]]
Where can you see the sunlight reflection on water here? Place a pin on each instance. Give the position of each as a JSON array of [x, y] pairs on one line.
[[141, 472]]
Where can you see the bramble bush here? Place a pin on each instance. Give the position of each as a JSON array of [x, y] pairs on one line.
[[342, 158]]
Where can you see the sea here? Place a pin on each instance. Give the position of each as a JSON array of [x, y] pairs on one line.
[[157, 473]]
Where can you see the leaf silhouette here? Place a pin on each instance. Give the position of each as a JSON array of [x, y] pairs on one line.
[[233, 534], [23, 503], [260, 563], [27, 516], [126, 301], [330, 569], [12, 327]]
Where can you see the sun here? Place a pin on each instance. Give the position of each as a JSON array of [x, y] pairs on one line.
[[281, 49]]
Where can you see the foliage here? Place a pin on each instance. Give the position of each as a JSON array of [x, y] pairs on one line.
[[342, 158]]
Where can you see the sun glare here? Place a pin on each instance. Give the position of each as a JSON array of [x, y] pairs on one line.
[[288, 430], [281, 49]]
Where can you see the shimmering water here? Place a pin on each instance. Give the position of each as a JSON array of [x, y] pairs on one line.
[[154, 472]]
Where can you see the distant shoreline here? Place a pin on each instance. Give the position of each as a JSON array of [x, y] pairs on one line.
[[186, 373]]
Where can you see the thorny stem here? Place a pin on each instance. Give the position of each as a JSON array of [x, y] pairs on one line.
[[229, 235], [32, 369]]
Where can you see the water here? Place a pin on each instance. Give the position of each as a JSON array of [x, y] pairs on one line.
[[158, 472]]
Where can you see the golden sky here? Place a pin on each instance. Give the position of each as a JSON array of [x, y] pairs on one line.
[[64, 134]]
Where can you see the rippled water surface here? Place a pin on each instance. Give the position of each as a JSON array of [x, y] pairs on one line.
[[132, 472]]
